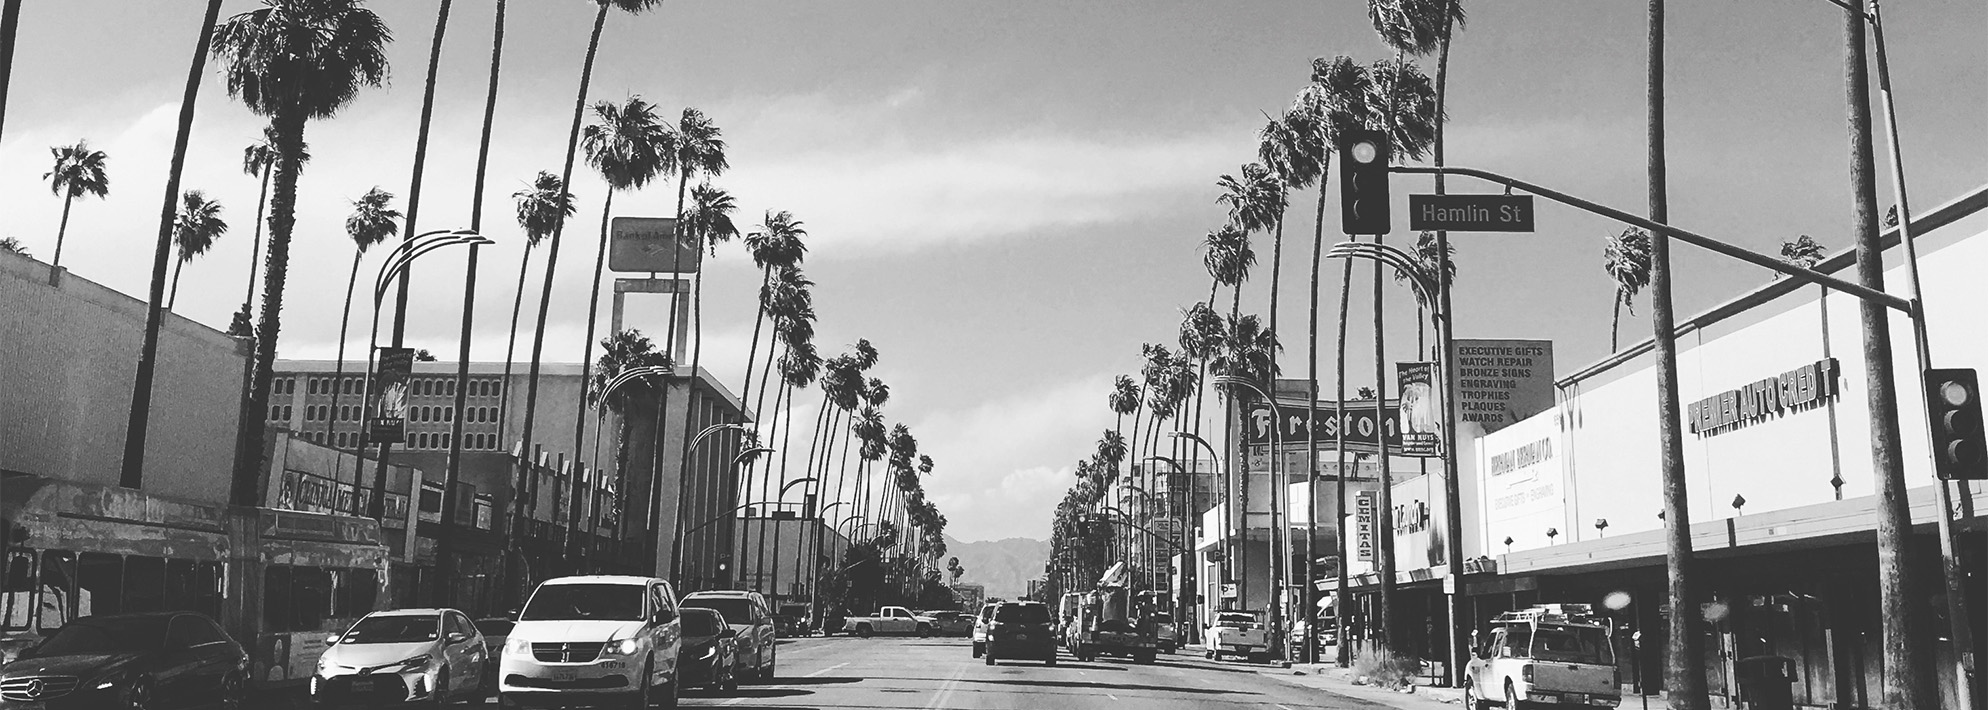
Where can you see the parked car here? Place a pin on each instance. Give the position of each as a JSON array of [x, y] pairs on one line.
[[746, 613], [594, 639], [157, 660], [710, 654], [889, 620], [980, 623], [407, 655], [1561, 654], [950, 623], [1021, 630], [1165, 632], [1237, 632], [792, 620]]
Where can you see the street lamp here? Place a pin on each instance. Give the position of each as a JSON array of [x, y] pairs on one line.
[[397, 261], [1228, 530], [683, 472]]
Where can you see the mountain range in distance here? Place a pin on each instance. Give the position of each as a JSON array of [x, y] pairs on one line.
[[1004, 567]]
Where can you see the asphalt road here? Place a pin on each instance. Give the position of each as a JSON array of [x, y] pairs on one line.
[[927, 674]]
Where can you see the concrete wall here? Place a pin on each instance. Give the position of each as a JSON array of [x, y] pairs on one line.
[[68, 355]]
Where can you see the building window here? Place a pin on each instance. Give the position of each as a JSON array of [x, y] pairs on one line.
[[448, 414], [431, 501], [486, 511], [451, 389]]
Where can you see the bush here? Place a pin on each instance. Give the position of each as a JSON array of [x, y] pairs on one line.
[[1386, 669]]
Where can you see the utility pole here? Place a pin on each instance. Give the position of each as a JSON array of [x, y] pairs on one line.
[[1904, 683]]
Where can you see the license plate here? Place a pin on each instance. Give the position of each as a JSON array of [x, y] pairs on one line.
[[362, 685], [36, 705], [565, 675], [1021, 637], [1576, 698]]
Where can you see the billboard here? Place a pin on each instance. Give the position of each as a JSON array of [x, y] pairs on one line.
[[637, 244], [1500, 382], [389, 422], [1522, 482]]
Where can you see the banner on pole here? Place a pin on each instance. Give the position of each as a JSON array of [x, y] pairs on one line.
[[1421, 409], [389, 422]]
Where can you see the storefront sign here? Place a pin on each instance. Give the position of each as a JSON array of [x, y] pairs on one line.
[[1421, 408], [1522, 483], [1296, 430], [1795, 390], [1364, 531], [389, 423], [1500, 382]]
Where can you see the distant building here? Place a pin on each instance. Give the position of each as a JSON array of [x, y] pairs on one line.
[[777, 556], [970, 595]]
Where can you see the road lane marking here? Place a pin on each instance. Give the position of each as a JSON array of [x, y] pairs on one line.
[[1113, 697], [1284, 707], [734, 701], [824, 670], [946, 691]]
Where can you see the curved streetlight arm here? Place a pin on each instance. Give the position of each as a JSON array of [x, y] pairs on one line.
[[1213, 455], [412, 249], [1394, 257], [791, 484], [747, 455]]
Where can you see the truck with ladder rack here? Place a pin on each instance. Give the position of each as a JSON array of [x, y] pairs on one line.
[[1548, 655]]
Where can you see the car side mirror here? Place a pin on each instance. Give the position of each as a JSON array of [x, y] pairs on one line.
[[664, 616], [331, 640], [512, 615], [728, 633], [456, 637]]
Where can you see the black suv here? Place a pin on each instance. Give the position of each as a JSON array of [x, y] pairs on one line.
[[1021, 630]]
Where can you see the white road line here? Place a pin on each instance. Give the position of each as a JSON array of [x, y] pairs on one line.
[[1109, 695], [1284, 707], [734, 701], [945, 691], [824, 670]]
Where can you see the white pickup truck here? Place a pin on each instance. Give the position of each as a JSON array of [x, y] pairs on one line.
[[1551, 654], [889, 620], [1240, 633]]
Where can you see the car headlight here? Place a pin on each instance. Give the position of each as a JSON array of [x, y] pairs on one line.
[[414, 664], [516, 644], [624, 647]]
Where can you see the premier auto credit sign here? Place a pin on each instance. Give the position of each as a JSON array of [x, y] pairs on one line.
[[1795, 390]]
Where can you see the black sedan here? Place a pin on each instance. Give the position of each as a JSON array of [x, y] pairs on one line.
[[158, 660]]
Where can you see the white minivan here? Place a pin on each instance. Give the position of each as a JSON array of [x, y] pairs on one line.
[[593, 640]]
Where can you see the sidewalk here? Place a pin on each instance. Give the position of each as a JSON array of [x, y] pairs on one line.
[[1331, 678]]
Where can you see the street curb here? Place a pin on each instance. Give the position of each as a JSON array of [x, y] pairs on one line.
[[1340, 681]]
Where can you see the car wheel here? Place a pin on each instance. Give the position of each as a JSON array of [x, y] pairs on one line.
[[140, 695], [766, 676], [1051, 662], [441, 692], [231, 691], [1145, 658], [863, 630], [924, 631], [1471, 701], [989, 656], [667, 697], [644, 699], [1511, 697]]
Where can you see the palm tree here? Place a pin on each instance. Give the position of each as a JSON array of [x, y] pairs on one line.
[[629, 147], [1124, 398], [414, 187], [291, 61], [1286, 145], [775, 246], [540, 208], [1427, 264], [1627, 261], [199, 223], [699, 148], [1254, 202], [78, 171], [559, 227], [371, 222], [1228, 257], [1803, 252], [12, 245]]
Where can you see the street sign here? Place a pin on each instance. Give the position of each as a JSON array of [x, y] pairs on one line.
[[1470, 213]]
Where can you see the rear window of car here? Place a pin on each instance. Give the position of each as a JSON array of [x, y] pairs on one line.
[[700, 622], [1022, 614], [735, 609]]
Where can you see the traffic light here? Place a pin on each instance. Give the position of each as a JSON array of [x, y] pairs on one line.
[[1953, 407], [1363, 200]]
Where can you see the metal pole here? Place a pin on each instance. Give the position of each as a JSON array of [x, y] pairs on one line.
[[1960, 631]]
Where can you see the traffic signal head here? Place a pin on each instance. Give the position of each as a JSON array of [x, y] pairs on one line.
[[1953, 408], [1363, 199]]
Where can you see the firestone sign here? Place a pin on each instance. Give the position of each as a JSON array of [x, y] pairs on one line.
[[1799, 389]]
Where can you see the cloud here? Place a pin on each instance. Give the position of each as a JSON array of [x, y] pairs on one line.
[[1003, 464]]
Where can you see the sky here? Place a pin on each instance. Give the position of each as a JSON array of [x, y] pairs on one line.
[[1007, 198]]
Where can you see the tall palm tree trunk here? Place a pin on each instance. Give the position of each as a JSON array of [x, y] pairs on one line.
[[173, 295], [338, 365], [769, 496], [1684, 672], [255, 249], [414, 187], [10, 24], [289, 127], [133, 464], [545, 302], [1384, 511], [1615, 324], [1279, 558], [587, 346], [62, 231], [758, 320], [511, 345], [1310, 604]]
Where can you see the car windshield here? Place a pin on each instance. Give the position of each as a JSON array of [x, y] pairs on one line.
[[494, 627], [1022, 614], [93, 636], [736, 611], [397, 628], [585, 602], [701, 622], [1574, 644]]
